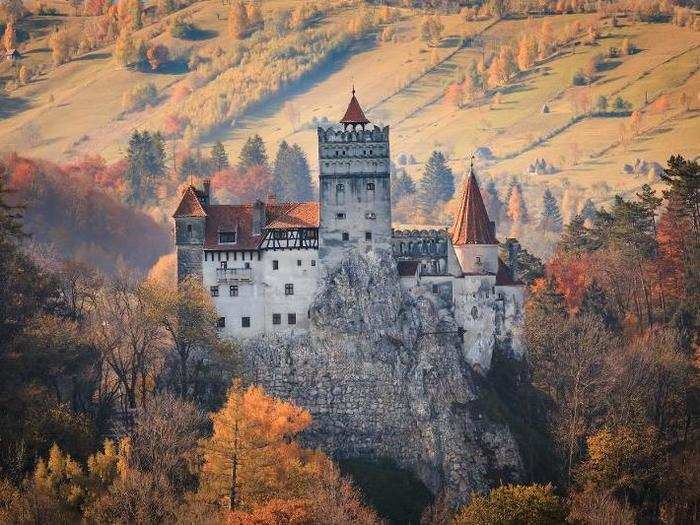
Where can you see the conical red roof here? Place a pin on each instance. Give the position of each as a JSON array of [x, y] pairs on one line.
[[354, 113], [472, 224], [190, 206]]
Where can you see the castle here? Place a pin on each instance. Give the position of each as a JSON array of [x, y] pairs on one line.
[[261, 262]]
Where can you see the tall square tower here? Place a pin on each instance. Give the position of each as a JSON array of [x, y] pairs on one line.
[[355, 187]]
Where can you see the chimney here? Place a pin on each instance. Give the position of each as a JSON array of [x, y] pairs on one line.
[[258, 217], [207, 191]]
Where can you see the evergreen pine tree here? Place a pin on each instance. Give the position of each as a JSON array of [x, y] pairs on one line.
[[575, 236], [494, 206], [219, 158], [145, 166], [588, 211], [650, 202], [280, 172], [437, 184], [595, 302], [253, 153], [402, 185], [550, 220], [291, 174]]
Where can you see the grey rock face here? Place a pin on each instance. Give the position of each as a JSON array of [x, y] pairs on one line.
[[379, 384]]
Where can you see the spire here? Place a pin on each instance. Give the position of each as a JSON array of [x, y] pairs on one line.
[[354, 115], [472, 224]]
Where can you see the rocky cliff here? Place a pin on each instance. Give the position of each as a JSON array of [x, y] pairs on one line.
[[380, 383]]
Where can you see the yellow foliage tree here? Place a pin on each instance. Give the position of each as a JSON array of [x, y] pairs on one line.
[[251, 454], [527, 51], [124, 48], [254, 14], [238, 20], [9, 39]]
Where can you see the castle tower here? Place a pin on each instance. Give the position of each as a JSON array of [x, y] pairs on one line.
[[473, 234], [355, 200], [190, 221]]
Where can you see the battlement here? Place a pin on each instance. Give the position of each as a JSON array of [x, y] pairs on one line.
[[353, 136]]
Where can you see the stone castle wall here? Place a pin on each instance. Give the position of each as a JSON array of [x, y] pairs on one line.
[[379, 384]]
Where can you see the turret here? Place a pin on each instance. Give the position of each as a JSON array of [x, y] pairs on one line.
[[190, 223], [355, 199], [473, 233]]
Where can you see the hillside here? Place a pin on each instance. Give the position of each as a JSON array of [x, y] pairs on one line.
[[77, 108]]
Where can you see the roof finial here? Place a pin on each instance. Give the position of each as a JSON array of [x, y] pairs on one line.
[[353, 89]]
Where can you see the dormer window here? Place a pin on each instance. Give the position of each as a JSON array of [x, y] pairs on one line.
[[227, 237]]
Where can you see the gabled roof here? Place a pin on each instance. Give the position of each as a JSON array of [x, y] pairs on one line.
[[472, 224], [292, 215], [354, 113], [239, 218], [190, 205]]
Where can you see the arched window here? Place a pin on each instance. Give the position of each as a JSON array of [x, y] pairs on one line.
[[340, 194]]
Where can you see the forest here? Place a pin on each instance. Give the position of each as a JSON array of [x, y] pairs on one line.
[[121, 405]]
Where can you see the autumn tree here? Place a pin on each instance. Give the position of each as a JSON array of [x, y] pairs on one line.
[[252, 453], [527, 51], [157, 56], [431, 30], [238, 23], [513, 505], [9, 39], [125, 48], [516, 210]]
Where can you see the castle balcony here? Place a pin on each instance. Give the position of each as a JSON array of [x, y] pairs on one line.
[[234, 275]]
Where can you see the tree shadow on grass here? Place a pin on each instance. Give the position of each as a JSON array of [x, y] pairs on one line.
[[201, 34], [12, 106], [93, 56]]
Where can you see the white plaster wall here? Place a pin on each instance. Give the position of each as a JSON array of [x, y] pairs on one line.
[[513, 304], [475, 311], [467, 254], [265, 294]]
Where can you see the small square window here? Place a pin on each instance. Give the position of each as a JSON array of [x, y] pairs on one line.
[[298, 262], [224, 264], [247, 266], [291, 318], [214, 290], [368, 236], [275, 265], [370, 186], [313, 262], [221, 322], [276, 318], [478, 260], [346, 236], [245, 322], [189, 228], [370, 215], [340, 187], [288, 289], [340, 216], [233, 290]]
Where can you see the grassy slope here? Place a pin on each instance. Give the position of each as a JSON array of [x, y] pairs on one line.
[[394, 88]]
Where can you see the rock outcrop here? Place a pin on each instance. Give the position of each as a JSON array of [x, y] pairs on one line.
[[380, 382]]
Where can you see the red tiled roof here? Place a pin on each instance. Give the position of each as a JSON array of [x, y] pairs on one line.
[[190, 206], [504, 276], [354, 113], [239, 218], [408, 268], [472, 225], [292, 215]]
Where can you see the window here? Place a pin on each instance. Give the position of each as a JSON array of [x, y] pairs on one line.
[[370, 215], [214, 290], [276, 318], [340, 216], [247, 266], [227, 237], [245, 322], [346, 236], [478, 260], [221, 322], [288, 289], [275, 265], [368, 236], [233, 290], [298, 262], [339, 187], [189, 228], [223, 264], [291, 318], [370, 186], [313, 262]]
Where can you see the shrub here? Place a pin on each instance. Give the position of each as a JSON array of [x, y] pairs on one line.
[[157, 56], [579, 79], [140, 96], [182, 28]]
